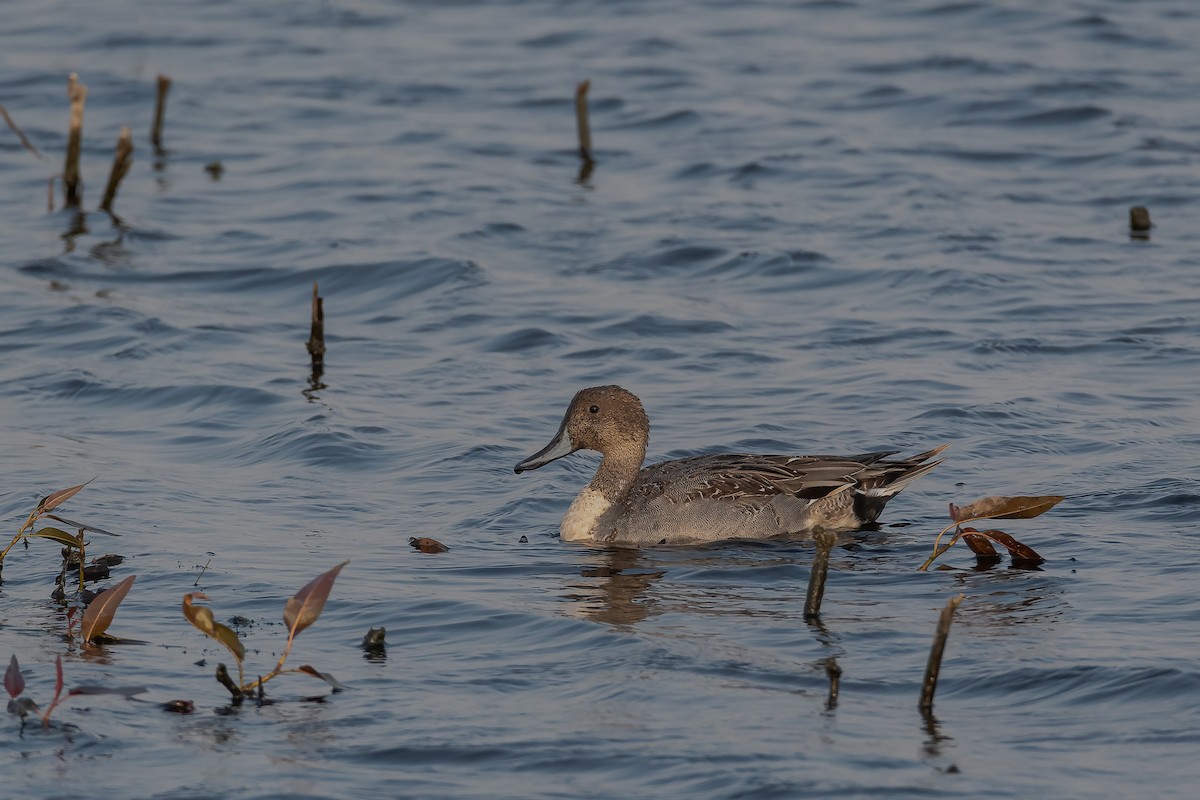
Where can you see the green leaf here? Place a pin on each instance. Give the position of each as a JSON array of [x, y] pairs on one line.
[[60, 536], [202, 618], [100, 612]]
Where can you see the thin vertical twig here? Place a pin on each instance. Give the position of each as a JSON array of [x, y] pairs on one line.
[[160, 107], [581, 121], [77, 94], [120, 168], [934, 666], [316, 338], [20, 134]]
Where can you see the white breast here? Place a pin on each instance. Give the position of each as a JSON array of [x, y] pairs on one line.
[[580, 520]]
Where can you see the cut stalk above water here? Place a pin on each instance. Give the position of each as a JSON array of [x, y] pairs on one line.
[[72, 191], [160, 107], [934, 665], [825, 540], [120, 168], [581, 121]]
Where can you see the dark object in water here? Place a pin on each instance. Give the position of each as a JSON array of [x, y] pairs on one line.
[[374, 640], [1139, 222]]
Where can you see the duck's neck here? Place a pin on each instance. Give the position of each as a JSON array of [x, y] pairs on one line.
[[617, 472], [612, 480]]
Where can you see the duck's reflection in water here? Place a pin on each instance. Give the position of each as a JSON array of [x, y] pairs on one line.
[[616, 591]]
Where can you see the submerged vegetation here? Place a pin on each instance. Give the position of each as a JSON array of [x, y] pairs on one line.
[[300, 611]]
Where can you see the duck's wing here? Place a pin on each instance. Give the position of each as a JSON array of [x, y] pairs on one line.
[[736, 476]]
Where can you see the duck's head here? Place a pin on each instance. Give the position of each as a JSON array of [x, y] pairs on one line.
[[608, 419]]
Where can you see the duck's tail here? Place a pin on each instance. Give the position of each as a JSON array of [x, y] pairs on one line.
[[883, 480]]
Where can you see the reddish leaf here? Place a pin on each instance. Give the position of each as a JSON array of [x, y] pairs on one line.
[[325, 676], [1016, 549], [100, 612], [427, 545], [978, 543], [14, 681], [58, 498], [1008, 507], [305, 606]]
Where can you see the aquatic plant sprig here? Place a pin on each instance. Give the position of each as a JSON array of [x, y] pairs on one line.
[[42, 511], [300, 611], [21, 706], [996, 507]]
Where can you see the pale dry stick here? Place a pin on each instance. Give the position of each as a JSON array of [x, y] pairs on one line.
[[20, 134], [120, 168], [934, 666], [160, 107], [825, 540], [77, 94], [581, 121]]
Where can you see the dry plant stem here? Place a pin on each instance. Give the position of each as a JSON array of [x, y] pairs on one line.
[[929, 685], [120, 167], [825, 541], [581, 121], [160, 106], [81, 559], [316, 337], [77, 94], [834, 672], [20, 134]]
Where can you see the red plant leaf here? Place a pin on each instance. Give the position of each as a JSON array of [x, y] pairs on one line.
[[1016, 549], [427, 545], [979, 544], [100, 612], [58, 498], [305, 606], [1008, 507], [308, 669], [14, 681]]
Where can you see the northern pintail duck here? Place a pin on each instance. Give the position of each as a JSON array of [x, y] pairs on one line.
[[708, 498]]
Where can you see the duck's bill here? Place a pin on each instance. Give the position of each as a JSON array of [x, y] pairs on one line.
[[559, 446]]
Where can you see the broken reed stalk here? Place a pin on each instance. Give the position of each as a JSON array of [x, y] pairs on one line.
[[120, 168], [834, 672], [316, 338], [1139, 222], [77, 94], [929, 685], [825, 540], [160, 107], [20, 134], [581, 121]]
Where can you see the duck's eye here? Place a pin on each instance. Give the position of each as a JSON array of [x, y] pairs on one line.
[[594, 410]]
